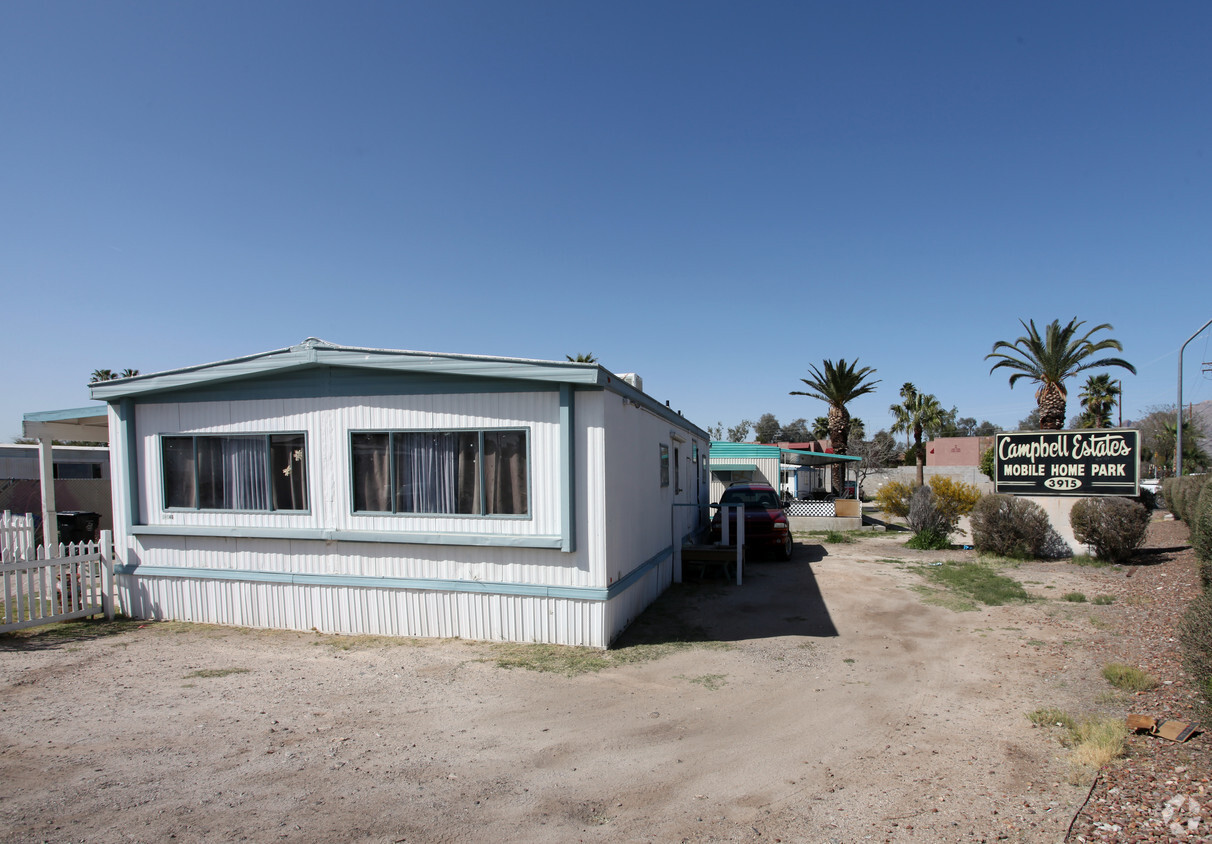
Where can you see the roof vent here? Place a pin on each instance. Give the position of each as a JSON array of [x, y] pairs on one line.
[[633, 379]]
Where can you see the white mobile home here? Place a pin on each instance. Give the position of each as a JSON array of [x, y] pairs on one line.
[[401, 493]]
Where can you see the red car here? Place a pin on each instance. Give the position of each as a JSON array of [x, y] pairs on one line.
[[766, 526]]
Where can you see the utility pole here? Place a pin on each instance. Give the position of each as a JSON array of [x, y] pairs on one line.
[[1178, 444]]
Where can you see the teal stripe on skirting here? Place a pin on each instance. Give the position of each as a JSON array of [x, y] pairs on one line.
[[582, 593], [628, 580], [576, 593]]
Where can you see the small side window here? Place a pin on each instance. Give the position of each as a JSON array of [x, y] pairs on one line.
[[664, 465]]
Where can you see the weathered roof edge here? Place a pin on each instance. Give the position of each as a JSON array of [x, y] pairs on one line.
[[314, 351]]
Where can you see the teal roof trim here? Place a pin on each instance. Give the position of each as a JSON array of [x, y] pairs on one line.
[[96, 411], [756, 451], [314, 352], [761, 451], [823, 456]]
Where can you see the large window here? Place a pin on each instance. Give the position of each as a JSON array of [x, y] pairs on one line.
[[259, 472], [471, 473]]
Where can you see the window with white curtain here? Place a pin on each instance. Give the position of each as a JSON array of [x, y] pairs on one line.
[[257, 472], [468, 473]]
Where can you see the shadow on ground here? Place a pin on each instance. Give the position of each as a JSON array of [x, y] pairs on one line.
[[62, 634], [775, 599]]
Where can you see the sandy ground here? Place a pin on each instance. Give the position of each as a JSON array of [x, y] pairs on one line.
[[841, 706]]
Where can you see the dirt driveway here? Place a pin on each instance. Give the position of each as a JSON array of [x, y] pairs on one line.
[[827, 701]]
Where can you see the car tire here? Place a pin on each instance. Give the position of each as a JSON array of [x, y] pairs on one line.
[[784, 552]]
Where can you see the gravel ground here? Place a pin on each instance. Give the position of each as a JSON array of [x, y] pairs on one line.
[[1161, 791], [845, 699]]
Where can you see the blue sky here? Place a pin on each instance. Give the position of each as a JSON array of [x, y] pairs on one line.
[[714, 195]]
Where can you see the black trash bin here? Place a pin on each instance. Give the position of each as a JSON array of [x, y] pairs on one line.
[[79, 526]]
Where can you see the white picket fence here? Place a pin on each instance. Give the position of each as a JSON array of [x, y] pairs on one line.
[[52, 584], [16, 536]]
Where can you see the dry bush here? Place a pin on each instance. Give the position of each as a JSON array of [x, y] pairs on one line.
[[1010, 527], [1097, 741], [924, 512], [1113, 527]]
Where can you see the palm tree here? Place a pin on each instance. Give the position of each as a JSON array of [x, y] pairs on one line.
[[820, 428], [589, 358], [919, 413], [1098, 396], [109, 375], [839, 384], [1048, 360]]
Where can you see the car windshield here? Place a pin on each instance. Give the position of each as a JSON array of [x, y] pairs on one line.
[[751, 498]]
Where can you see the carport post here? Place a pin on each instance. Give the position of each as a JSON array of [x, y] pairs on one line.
[[740, 542], [107, 573], [46, 476]]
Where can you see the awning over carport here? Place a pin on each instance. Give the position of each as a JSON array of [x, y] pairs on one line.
[[84, 424]]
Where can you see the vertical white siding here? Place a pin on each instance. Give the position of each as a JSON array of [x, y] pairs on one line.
[[768, 469], [625, 608], [386, 612], [624, 518], [591, 484]]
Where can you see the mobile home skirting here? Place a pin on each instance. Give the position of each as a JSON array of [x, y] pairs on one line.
[[393, 606]]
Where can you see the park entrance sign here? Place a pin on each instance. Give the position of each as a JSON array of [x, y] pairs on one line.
[[1092, 461]]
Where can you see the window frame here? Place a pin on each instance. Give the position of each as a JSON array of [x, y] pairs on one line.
[[268, 437], [525, 430], [664, 456]]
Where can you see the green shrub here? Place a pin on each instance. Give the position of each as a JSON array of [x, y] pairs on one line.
[[1148, 499], [1010, 527], [1195, 637], [1074, 597], [929, 540], [1113, 527], [988, 463], [1169, 490], [893, 498], [1183, 495], [1200, 521]]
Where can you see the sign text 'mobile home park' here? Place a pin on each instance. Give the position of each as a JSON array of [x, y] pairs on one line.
[[1084, 462]]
